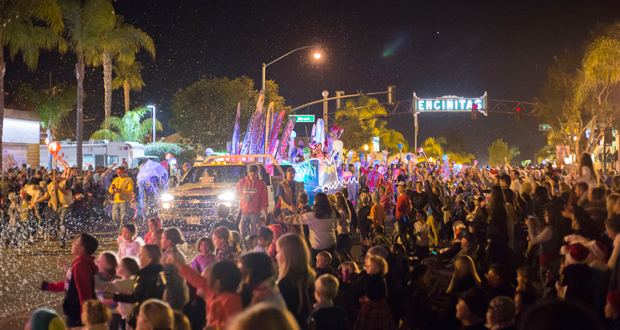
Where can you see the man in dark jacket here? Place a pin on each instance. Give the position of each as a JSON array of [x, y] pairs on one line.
[[79, 285], [499, 282]]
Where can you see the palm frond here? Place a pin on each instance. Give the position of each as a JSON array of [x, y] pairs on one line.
[[105, 134]]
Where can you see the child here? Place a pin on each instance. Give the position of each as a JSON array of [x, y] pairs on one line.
[[323, 262], [128, 247], [206, 256], [14, 230], [380, 238], [265, 238], [252, 242], [525, 277], [79, 282], [156, 238], [303, 203], [154, 224], [95, 315], [422, 236], [107, 263], [220, 289], [375, 313], [128, 270], [325, 315]]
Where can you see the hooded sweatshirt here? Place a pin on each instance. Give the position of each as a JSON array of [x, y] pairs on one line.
[[79, 286]]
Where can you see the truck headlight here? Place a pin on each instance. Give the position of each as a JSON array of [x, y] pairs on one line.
[[166, 205], [227, 196], [167, 198]]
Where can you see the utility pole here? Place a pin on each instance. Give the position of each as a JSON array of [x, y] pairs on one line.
[[325, 119]]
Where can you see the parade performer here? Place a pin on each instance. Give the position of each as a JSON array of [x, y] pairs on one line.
[[286, 192]]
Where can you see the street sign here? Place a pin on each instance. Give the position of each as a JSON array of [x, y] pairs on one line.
[[304, 118], [544, 127], [449, 103]]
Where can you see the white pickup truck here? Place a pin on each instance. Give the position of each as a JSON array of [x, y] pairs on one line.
[[205, 186]]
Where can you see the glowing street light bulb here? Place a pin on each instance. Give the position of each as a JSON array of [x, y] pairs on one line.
[[366, 147], [317, 55]]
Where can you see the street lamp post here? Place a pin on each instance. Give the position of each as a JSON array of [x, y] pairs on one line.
[[317, 55], [152, 107]]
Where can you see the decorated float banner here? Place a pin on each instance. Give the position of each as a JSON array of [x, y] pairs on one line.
[[449, 103]]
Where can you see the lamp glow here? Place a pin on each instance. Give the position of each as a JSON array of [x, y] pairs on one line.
[[317, 55], [365, 147]]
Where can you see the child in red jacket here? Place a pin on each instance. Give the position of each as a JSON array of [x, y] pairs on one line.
[[219, 287], [79, 285]]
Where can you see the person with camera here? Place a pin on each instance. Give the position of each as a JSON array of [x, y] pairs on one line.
[[252, 192], [122, 189]]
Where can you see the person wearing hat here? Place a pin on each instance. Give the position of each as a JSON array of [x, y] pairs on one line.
[[252, 192], [287, 192], [576, 281], [122, 189], [501, 314], [471, 309], [45, 319], [468, 244]]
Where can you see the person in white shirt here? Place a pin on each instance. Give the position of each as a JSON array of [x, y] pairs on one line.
[[265, 238], [516, 184], [128, 247], [422, 232]]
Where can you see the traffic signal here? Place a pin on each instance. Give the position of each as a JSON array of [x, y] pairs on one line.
[[474, 111], [518, 114]]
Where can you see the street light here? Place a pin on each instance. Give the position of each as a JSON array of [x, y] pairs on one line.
[[317, 55], [366, 147], [152, 107]]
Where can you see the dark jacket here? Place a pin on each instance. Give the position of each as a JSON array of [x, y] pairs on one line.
[[79, 287], [298, 300], [504, 289], [330, 318], [365, 224], [354, 219], [149, 284]]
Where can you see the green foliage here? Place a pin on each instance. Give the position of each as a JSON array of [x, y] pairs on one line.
[[182, 152], [130, 73], [433, 147], [21, 32], [499, 152], [361, 120], [526, 162], [390, 139], [129, 128], [456, 142], [205, 112], [51, 105]]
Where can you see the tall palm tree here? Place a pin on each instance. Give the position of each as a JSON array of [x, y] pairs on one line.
[[120, 42], [129, 77], [84, 22], [433, 147], [129, 128], [20, 34], [51, 105]]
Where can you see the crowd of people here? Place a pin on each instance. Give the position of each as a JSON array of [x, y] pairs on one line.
[[509, 247]]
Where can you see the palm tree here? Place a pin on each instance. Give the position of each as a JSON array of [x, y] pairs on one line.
[[129, 128], [129, 77], [20, 34], [85, 21], [433, 147], [51, 105], [391, 138], [118, 41]]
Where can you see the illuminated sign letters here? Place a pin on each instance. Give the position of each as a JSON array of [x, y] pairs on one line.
[[304, 118], [450, 103]]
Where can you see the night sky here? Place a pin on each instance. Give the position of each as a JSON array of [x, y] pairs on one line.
[[434, 48]]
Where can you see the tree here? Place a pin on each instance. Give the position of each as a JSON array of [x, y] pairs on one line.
[[51, 105], [433, 147], [84, 21], [390, 139], [129, 77], [129, 128], [120, 42], [456, 142], [499, 150], [361, 121], [21, 32], [205, 112], [182, 152]]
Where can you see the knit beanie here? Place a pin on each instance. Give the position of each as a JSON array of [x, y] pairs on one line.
[[613, 297], [46, 319], [575, 253], [504, 307]]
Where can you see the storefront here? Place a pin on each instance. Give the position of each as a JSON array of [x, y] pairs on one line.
[[20, 138]]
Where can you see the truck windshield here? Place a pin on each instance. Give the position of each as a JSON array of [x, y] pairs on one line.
[[215, 174]]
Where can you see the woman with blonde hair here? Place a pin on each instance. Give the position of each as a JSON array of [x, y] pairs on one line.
[[296, 276], [612, 199], [155, 314], [264, 316], [464, 277], [95, 315]]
